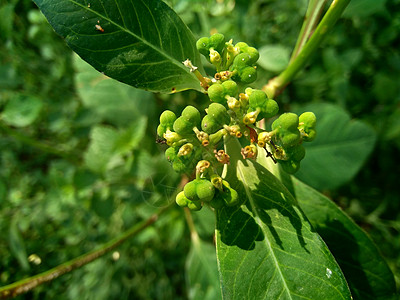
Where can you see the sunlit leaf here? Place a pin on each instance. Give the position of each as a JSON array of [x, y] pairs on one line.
[[21, 110], [266, 247], [141, 43]]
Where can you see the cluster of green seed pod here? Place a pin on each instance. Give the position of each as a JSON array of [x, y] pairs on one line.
[[231, 61], [286, 138], [194, 138]]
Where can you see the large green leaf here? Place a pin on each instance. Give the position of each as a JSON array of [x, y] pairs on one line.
[[367, 274], [266, 248], [141, 43], [109, 99], [202, 271], [339, 150]]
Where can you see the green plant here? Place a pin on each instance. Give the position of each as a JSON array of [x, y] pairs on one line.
[[265, 243]]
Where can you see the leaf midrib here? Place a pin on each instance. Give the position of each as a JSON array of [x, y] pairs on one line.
[[173, 60], [262, 225]]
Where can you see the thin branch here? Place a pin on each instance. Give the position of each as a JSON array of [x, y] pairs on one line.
[[25, 285], [313, 15], [277, 84]]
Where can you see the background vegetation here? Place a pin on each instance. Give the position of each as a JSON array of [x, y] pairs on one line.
[[79, 162]]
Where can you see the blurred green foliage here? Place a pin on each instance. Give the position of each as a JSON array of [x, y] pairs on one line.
[[79, 162]]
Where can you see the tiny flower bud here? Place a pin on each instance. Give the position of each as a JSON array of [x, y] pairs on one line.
[[202, 166], [171, 137], [185, 149], [249, 151], [221, 156]]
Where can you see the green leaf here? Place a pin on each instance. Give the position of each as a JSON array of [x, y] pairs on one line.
[[110, 149], [113, 101], [340, 149], [202, 271], [274, 58], [143, 44], [364, 8], [266, 248], [21, 110], [367, 274]]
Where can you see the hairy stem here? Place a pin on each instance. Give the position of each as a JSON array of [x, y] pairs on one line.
[[25, 285], [277, 84]]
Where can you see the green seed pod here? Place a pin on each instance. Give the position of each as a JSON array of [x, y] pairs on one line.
[[199, 190], [257, 98], [290, 139], [195, 206], [271, 108], [307, 123], [290, 166], [167, 118], [242, 60], [203, 46], [296, 153], [286, 121], [219, 114], [209, 125], [179, 166], [191, 115], [248, 75], [230, 88], [254, 55], [309, 119], [217, 202], [229, 195], [216, 93], [170, 154], [161, 129], [182, 127], [181, 200], [217, 41]]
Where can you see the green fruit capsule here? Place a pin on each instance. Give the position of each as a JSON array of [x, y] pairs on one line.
[[290, 139], [167, 118], [307, 127], [229, 195], [286, 121], [290, 166], [217, 41], [309, 119], [242, 60], [219, 114], [296, 153], [195, 206], [182, 127], [230, 88], [257, 99], [216, 93], [181, 200], [170, 154], [161, 129], [203, 46], [217, 202], [199, 190], [271, 108], [248, 75], [191, 115], [209, 126]]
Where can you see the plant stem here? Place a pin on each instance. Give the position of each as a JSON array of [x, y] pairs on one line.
[[313, 14], [37, 144], [25, 285], [277, 84]]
